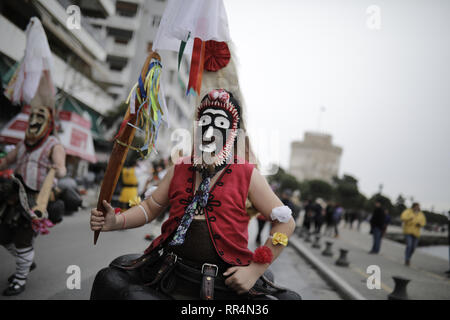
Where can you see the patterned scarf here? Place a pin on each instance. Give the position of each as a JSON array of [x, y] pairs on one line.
[[198, 202]]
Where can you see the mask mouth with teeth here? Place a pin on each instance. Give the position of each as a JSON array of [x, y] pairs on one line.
[[217, 125], [39, 125]]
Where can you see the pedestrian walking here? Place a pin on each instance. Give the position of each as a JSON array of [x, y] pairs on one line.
[[308, 215], [318, 209], [329, 221], [413, 220], [337, 215], [377, 224], [360, 218]]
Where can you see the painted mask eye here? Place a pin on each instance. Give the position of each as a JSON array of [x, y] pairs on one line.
[[222, 122], [204, 120]]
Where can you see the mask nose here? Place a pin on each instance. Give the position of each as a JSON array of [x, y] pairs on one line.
[[209, 133]]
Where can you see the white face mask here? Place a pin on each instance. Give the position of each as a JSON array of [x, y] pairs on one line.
[[216, 131], [38, 124]]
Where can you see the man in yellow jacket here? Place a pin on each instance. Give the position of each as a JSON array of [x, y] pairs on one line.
[[413, 220]]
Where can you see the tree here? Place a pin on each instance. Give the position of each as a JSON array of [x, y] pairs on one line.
[[347, 193], [284, 180], [399, 206], [385, 202], [313, 189], [435, 218]]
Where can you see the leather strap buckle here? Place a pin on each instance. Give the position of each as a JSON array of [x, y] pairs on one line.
[[211, 266], [209, 272]]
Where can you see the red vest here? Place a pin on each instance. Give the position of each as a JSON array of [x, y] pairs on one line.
[[225, 212]]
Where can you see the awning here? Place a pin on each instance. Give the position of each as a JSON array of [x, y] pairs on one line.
[[14, 131], [75, 106], [74, 134]]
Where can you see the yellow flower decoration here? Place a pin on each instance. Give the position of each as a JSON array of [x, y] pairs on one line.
[[279, 238], [135, 201]]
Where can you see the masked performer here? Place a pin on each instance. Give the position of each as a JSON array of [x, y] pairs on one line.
[[33, 159], [202, 252]]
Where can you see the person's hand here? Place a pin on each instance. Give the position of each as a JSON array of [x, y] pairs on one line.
[[242, 279], [103, 223]]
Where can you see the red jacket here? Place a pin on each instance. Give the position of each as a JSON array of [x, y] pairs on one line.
[[225, 212]]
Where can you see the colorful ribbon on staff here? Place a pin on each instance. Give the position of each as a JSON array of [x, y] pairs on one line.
[[149, 112]]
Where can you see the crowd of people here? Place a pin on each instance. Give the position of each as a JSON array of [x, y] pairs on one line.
[[318, 213]]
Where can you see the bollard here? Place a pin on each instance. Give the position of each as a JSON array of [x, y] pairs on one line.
[[316, 244], [399, 292], [328, 252], [342, 261], [308, 236]]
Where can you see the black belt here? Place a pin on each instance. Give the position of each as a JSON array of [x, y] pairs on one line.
[[209, 278], [206, 275]]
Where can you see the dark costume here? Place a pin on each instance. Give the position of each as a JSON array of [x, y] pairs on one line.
[[212, 245], [189, 257]]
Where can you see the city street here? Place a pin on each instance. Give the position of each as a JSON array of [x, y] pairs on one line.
[[71, 243]]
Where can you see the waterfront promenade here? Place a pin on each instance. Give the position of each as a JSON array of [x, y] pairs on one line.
[[427, 272]]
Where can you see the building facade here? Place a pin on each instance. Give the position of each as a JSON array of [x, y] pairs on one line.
[[130, 33], [96, 63], [315, 158]]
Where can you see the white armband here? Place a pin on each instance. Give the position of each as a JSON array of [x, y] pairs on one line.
[[282, 214]]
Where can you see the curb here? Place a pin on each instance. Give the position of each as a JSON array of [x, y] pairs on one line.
[[336, 281]]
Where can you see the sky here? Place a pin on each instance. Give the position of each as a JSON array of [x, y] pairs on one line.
[[380, 70]]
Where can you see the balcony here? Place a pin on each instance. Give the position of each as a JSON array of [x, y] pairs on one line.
[[90, 38], [65, 77], [114, 48], [97, 8], [112, 77]]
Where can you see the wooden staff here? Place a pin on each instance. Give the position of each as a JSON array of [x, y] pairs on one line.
[[44, 195], [119, 152]]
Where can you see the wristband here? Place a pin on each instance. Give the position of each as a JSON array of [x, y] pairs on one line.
[[263, 255]]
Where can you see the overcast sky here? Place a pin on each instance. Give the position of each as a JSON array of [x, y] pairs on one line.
[[386, 92]]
